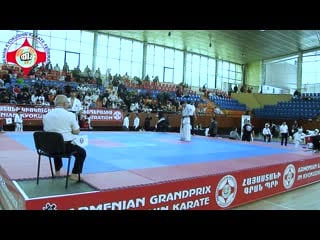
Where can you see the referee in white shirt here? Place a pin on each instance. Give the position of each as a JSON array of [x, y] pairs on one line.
[[62, 121]]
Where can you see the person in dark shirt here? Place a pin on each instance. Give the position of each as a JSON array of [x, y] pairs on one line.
[[213, 127], [163, 123], [294, 128], [247, 131], [2, 120], [235, 88], [296, 94], [147, 122], [316, 143]]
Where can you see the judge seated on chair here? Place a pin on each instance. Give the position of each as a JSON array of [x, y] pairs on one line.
[[63, 121]]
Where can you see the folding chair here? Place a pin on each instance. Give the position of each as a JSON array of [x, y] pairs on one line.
[[51, 145]]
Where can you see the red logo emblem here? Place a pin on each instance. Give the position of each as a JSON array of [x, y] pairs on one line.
[[26, 56]]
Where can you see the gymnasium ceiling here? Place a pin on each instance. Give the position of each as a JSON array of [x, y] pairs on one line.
[[239, 46]]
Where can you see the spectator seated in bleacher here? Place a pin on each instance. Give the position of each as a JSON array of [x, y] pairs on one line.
[[218, 111], [296, 94], [56, 67], [33, 70], [204, 88]]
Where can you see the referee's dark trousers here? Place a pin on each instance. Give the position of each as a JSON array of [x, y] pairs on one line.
[[80, 155]]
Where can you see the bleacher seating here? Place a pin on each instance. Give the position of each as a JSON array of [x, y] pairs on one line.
[[227, 103], [307, 107]]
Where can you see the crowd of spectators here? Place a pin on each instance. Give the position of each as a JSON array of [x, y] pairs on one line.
[[38, 89]]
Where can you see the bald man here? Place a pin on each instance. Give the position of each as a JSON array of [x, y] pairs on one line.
[[62, 121]]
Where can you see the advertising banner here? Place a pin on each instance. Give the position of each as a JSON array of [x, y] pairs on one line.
[[216, 192], [32, 112]]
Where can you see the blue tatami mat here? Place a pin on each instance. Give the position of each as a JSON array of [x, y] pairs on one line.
[[118, 151]]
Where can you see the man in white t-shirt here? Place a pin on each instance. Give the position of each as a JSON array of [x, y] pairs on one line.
[[63, 121]]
